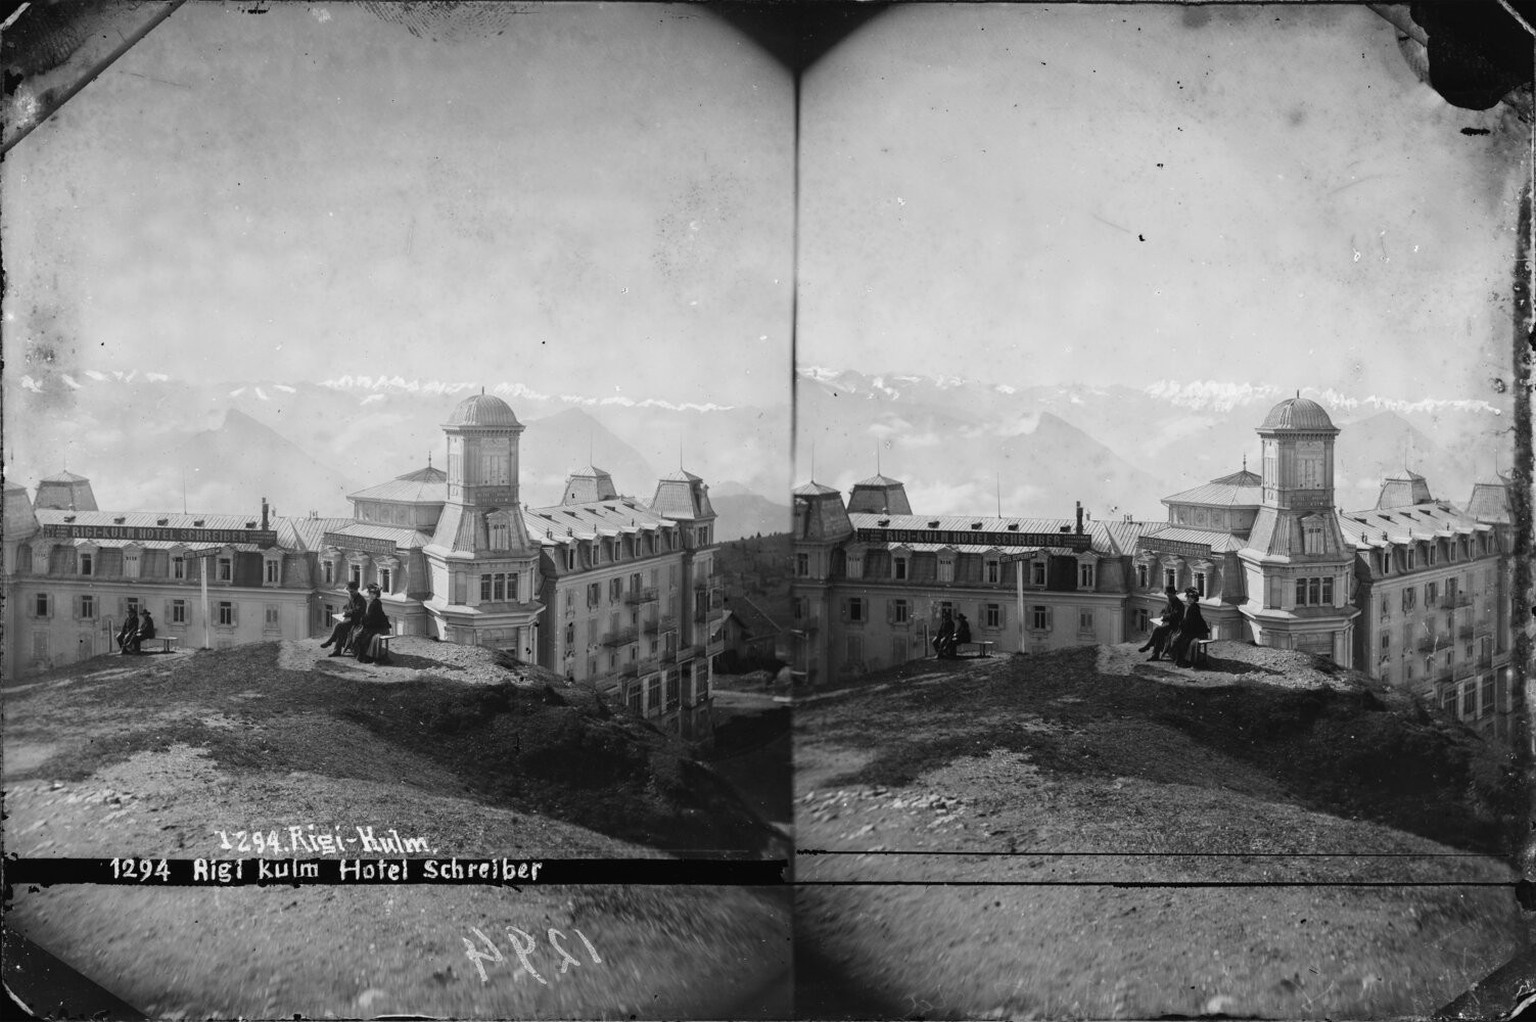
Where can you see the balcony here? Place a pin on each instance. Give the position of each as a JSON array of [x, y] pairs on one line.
[[660, 625], [623, 637], [1466, 631], [1485, 660], [1453, 601], [1433, 643], [638, 596]]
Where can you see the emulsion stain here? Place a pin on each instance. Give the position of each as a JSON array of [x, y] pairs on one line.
[[1499, 386], [1476, 131]]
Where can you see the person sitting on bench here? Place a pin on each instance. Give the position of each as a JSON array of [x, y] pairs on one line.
[[347, 622], [374, 622], [146, 630], [1173, 615], [1191, 628], [962, 631], [128, 635], [944, 642]]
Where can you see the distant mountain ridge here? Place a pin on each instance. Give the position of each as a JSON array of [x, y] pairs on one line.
[[961, 444]]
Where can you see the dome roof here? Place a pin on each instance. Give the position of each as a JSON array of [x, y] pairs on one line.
[[1297, 413], [483, 410]]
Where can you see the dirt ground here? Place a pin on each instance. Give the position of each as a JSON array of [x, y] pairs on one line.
[[339, 952], [972, 873]]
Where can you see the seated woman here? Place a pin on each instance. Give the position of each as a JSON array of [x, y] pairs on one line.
[[1192, 627], [374, 623]]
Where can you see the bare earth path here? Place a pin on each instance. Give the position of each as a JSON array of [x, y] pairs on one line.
[[342, 951], [993, 803]]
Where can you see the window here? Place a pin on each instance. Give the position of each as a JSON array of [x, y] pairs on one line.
[[274, 618], [674, 681], [88, 606], [1312, 538], [1040, 618], [594, 594], [485, 588], [855, 608], [226, 569], [1143, 577], [178, 612], [1170, 578], [386, 578], [570, 636], [1037, 573], [899, 567], [992, 617], [274, 570], [328, 572], [1410, 598], [634, 582], [1431, 593], [1468, 699], [994, 571], [1386, 609], [946, 567], [1085, 621], [1200, 583], [499, 587], [131, 562], [1487, 696], [899, 611], [636, 697], [1386, 641], [42, 606], [179, 567], [1448, 699], [615, 590], [87, 563], [226, 613], [653, 696], [355, 574], [1328, 591], [1085, 576], [130, 606], [802, 565], [1411, 558], [1433, 552]]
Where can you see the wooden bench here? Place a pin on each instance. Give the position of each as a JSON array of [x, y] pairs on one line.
[[1199, 652], [378, 649], [982, 648]]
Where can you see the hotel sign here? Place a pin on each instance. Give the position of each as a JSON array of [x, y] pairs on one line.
[[949, 537], [363, 544], [156, 534], [1153, 544]]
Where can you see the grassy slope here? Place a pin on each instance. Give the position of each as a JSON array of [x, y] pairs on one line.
[[153, 756], [1019, 761]]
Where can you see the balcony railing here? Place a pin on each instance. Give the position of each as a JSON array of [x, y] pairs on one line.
[[660, 625], [1451, 601], [646, 595], [621, 638], [1432, 643]]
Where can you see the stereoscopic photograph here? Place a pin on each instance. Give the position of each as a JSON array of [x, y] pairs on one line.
[[766, 510], [396, 497], [1154, 529]]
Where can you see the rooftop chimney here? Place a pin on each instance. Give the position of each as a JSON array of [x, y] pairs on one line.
[[263, 514], [1079, 518]]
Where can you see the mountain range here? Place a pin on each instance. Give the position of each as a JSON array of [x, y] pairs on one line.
[[964, 446], [158, 443]]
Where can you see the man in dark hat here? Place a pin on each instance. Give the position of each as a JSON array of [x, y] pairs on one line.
[[1173, 615], [348, 620]]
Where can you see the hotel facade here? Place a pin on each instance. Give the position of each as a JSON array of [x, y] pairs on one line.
[[1414, 591], [603, 589]]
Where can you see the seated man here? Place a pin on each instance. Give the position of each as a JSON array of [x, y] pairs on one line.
[[374, 622], [1192, 627], [347, 621], [1172, 617]]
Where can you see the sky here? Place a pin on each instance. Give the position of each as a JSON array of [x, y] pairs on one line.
[[1079, 193], [587, 199]]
